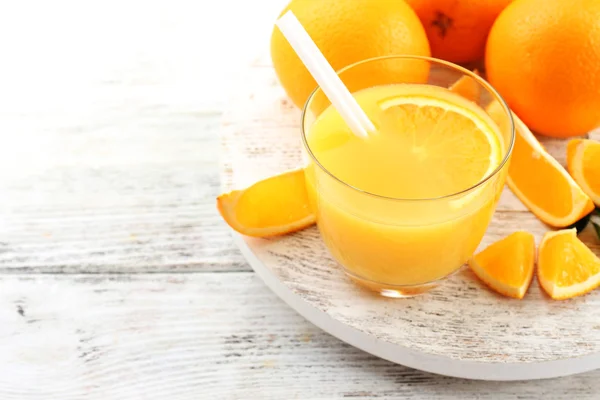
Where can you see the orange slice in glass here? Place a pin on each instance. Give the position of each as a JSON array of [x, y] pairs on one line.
[[540, 182], [507, 265], [566, 266], [442, 132], [273, 206], [583, 163]]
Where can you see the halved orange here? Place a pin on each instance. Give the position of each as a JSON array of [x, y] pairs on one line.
[[583, 163], [566, 266], [506, 266], [273, 206], [540, 182]]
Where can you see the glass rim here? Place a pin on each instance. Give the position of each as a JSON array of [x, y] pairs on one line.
[[433, 60]]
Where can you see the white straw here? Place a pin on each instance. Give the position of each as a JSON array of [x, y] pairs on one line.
[[325, 75]]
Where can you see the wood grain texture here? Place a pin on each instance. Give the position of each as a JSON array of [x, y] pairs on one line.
[[109, 155], [461, 320], [201, 336], [136, 197]]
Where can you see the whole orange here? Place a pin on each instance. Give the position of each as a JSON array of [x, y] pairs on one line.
[[543, 56], [457, 29], [346, 31]]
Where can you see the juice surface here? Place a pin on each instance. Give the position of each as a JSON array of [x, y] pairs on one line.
[[429, 153], [429, 143]]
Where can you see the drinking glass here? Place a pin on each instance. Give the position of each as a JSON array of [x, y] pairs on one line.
[[402, 247]]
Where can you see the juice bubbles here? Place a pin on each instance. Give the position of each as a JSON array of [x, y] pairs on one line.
[[408, 205]]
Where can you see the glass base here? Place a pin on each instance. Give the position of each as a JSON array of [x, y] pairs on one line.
[[393, 291], [397, 291]]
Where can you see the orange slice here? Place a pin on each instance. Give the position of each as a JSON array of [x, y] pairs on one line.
[[507, 265], [583, 163], [566, 266], [467, 87], [273, 206], [419, 129], [540, 182], [441, 131]]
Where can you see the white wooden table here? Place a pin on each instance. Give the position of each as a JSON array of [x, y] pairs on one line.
[[118, 279]]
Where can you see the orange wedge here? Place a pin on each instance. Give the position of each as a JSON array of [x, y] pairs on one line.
[[566, 266], [583, 163], [507, 265], [273, 206], [467, 87], [540, 182]]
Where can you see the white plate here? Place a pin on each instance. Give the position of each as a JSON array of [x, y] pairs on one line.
[[460, 329]]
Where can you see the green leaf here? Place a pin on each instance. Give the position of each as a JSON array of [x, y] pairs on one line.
[[581, 224], [595, 220]]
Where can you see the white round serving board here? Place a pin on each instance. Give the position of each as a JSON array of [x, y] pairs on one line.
[[459, 329]]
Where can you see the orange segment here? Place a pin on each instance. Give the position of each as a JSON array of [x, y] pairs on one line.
[[540, 182], [507, 265], [446, 132], [467, 87], [274, 206], [583, 163], [566, 266]]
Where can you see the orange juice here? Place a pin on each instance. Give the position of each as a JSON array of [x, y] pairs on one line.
[[408, 205]]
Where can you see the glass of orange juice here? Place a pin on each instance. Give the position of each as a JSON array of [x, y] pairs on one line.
[[407, 206]]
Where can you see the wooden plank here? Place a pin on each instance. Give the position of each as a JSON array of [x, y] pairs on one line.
[[135, 193], [109, 155], [200, 336]]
